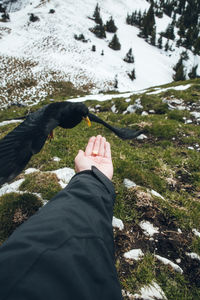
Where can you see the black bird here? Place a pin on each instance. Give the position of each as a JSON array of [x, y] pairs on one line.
[[18, 146]]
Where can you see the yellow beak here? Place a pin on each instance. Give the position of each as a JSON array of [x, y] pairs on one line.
[[88, 121]]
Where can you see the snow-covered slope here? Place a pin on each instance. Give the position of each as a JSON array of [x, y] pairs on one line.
[[34, 54]]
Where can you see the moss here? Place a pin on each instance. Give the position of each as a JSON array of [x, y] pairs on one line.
[[44, 183], [14, 210], [178, 115], [143, 273], [175, 286], [152, 102]]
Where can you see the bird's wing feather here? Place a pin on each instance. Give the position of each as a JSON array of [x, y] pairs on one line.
[[17, 147], [123, 133]]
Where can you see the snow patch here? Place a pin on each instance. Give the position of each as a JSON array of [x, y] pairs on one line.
[[169, 262], [135, 254], [154, 193], [128, 183], [141, 137], [30, 170], [55, 158], [193, 255], [11, 188], [9, 122], [148, 228], [64, 175], [176, 88], [117, 223], [151, 292], [197, 233]]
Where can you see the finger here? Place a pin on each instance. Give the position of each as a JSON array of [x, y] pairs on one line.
[[90, 145], [96, 145], [107, 151], [79, 155], [102, 146]]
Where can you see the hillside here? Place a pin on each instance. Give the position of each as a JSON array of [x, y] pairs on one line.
[[157, 181], [40, 56]]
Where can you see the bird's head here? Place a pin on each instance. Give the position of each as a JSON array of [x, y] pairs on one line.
[[72, 114]]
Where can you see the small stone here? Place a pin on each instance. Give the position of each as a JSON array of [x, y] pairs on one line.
[[128, 183], [141, 137], [144, 113], [117, 223], [188, 122]]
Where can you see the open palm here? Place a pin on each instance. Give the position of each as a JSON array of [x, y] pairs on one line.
[[98, 154]]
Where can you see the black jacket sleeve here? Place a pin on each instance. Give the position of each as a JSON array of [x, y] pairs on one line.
[[66, 250]]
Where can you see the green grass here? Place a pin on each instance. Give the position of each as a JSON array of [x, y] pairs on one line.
[[162, 162]]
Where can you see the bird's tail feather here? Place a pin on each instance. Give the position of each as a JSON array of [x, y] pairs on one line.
[[123, 133]]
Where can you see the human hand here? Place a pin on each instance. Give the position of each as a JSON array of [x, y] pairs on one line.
[[98, 154]]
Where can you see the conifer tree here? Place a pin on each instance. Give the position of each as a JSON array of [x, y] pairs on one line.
[[129, 58], [167, 45], [197, 46], [2, 9], [132, 75], [93, 48], [148, 23], [160, 42], [33, 18], [99, 30], [116, 82], [96, 14], [114, 43], [153, 36], [169, 33], [193, 73], [179, 71], [5, 17], [110, 26]]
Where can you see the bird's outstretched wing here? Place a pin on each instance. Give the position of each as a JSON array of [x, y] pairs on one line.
[[18, 146], [123, 133]]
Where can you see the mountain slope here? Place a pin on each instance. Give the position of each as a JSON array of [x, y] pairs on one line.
[[157, 182], [35, 54]]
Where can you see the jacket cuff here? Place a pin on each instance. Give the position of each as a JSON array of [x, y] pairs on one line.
[[102, 178]]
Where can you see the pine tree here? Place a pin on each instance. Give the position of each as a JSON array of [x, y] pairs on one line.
[[153, 36], [33, 18], [2, 9], [179, 71], [184, 55], [96, 14], [114, 43], [160, 42], [169, 33], [5, 17], [110, 26], [132, 75], [167, 45], [99, 31], [148, 23], [197, 46], [116, 82], [129, 58], [193, 73]]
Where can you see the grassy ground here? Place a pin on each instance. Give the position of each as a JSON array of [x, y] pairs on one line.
[[161, 162]]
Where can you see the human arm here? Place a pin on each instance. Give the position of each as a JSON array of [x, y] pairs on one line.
[[66, 250]]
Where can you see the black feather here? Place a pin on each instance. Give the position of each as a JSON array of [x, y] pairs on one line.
[[123, 133]]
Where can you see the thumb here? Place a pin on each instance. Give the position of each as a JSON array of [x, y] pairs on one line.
[[79, 155], [81, 152]]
